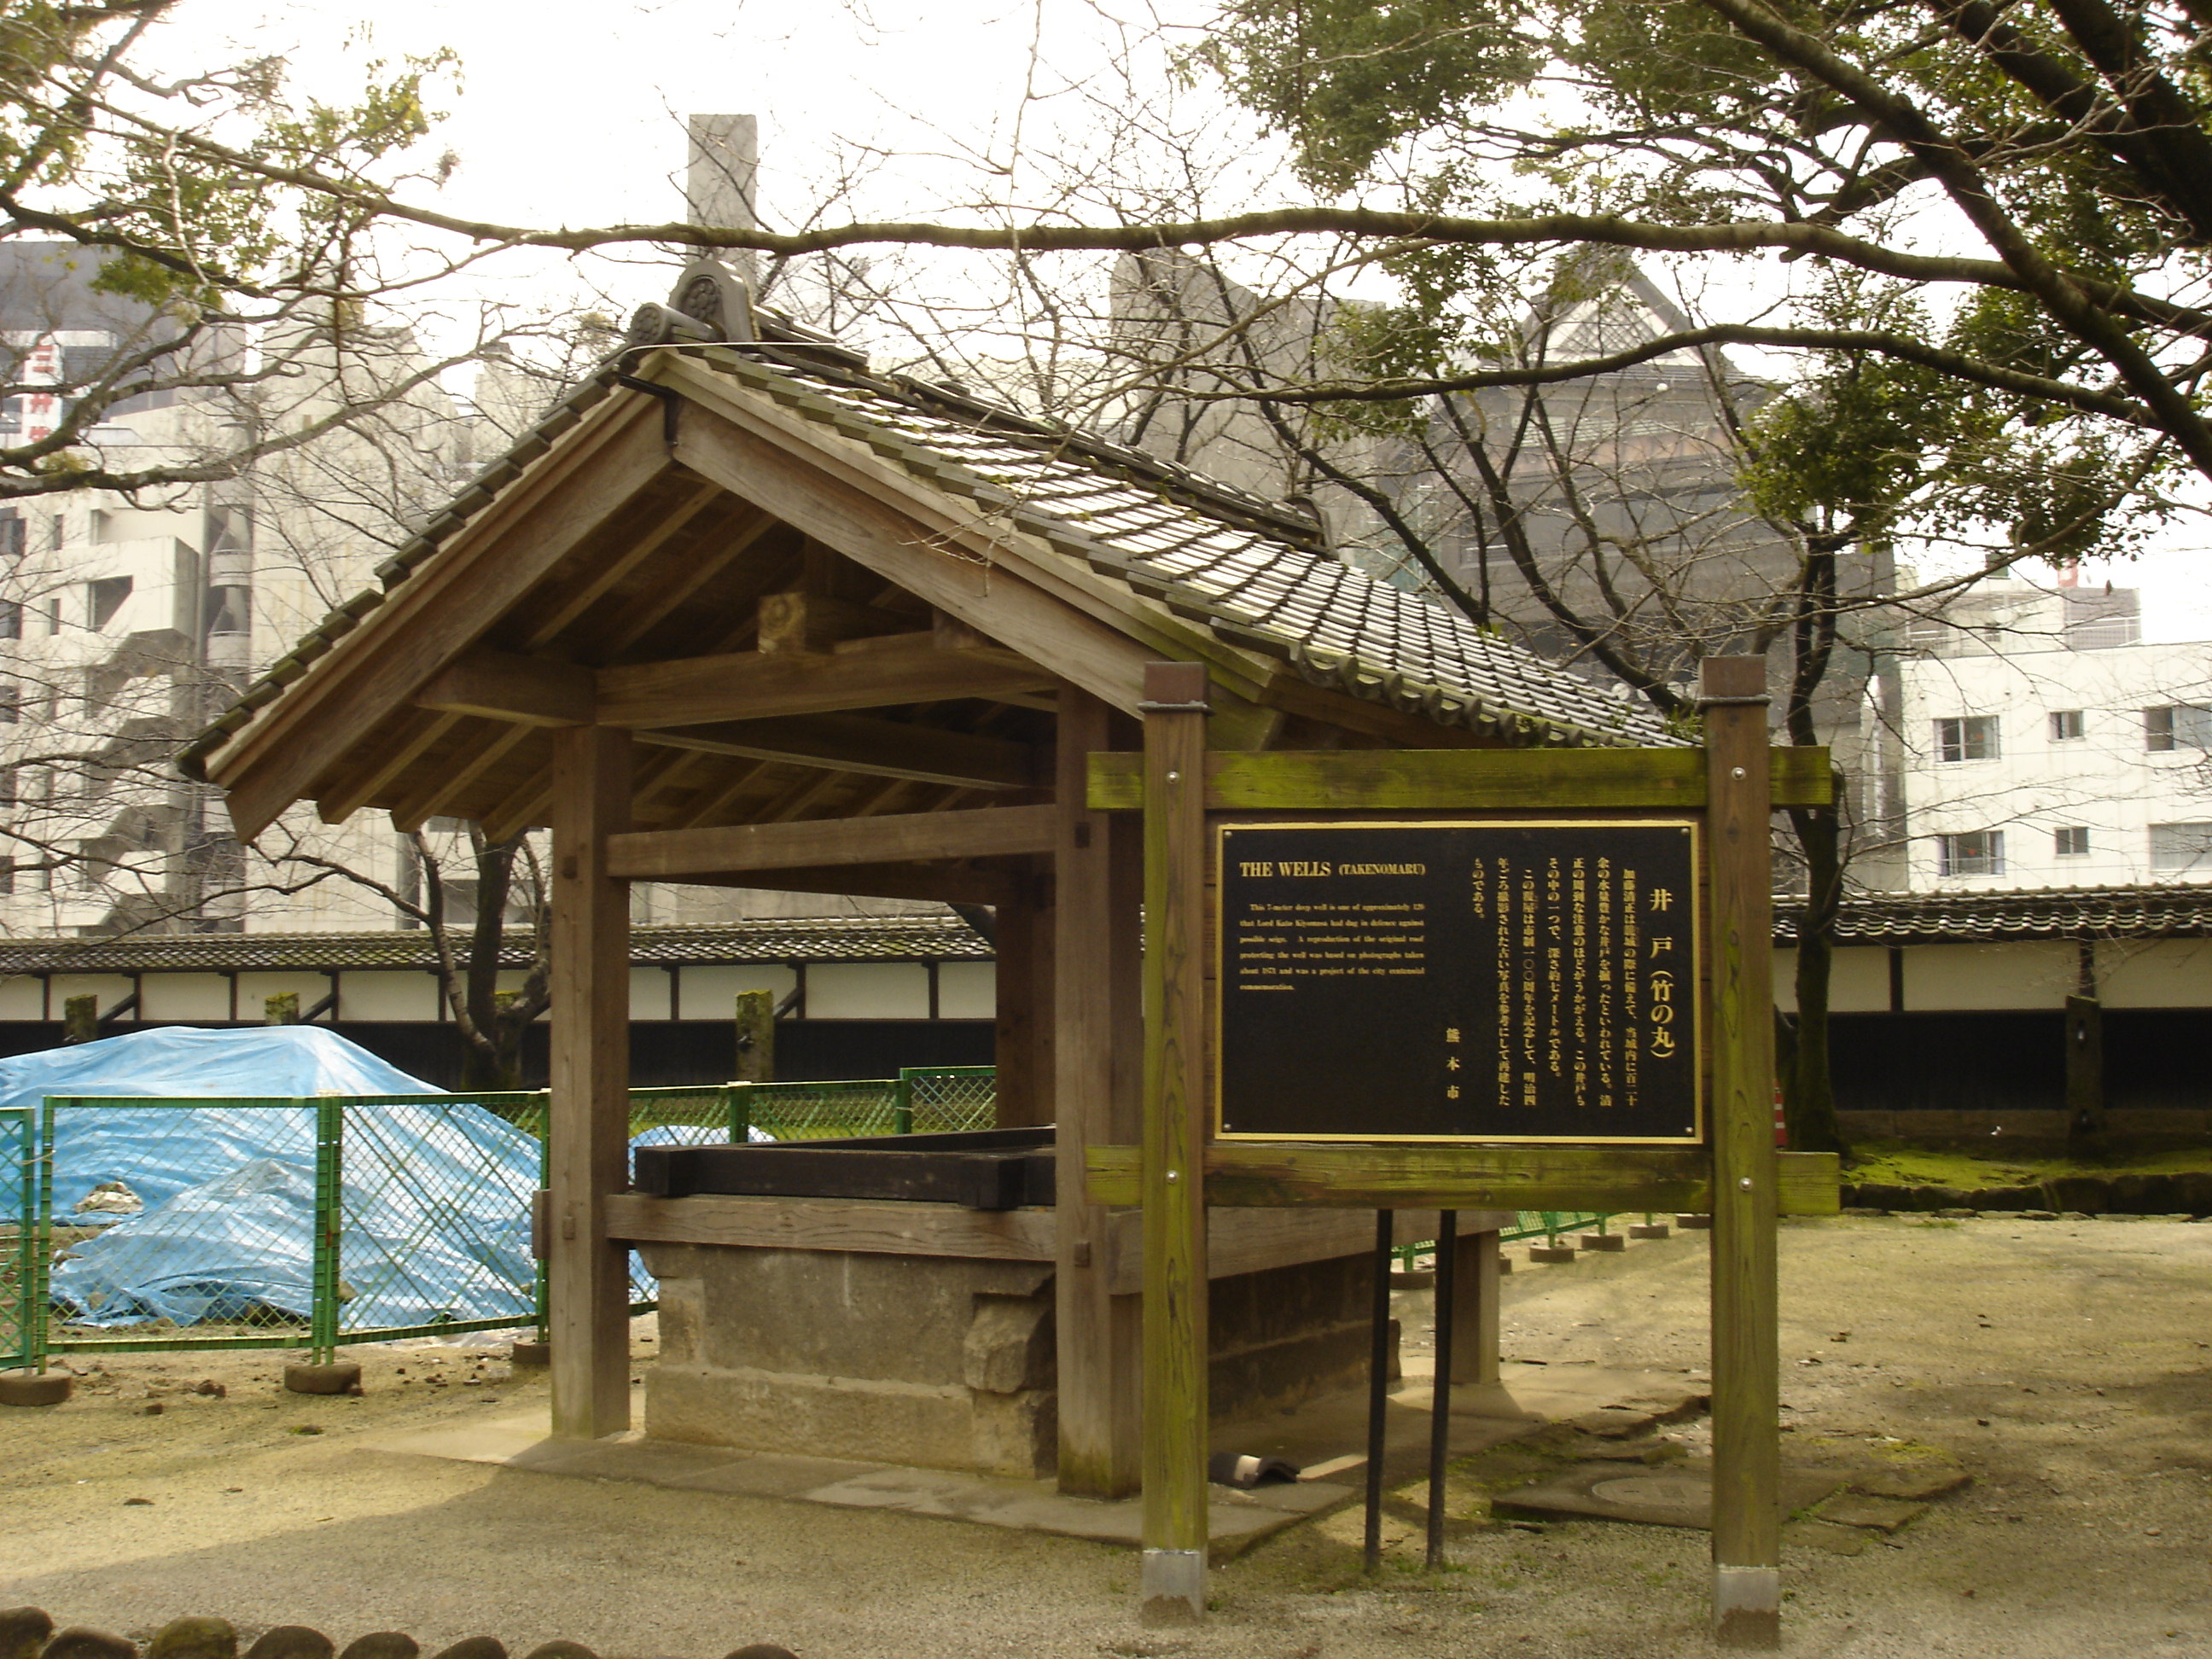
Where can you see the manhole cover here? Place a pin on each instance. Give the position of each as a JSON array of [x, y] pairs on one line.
[[1666, 1490]]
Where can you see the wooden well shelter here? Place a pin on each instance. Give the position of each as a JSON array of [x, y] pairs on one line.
[[745, 610]]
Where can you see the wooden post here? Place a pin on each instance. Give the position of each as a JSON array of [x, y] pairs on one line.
[[2084, 1068], [1747, 1383], [1173, 1590], [587, 1274], [756, 1022], [282, 1009], [1095, 1001], [1475, 1309], [80, 1019]]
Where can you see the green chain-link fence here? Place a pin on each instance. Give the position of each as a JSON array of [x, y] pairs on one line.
[[21, 1328], [1546, 1225], [351, 1219], [940, 1099]]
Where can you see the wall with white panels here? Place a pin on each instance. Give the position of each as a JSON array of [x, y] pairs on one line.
[[867, 990], [966, 990]]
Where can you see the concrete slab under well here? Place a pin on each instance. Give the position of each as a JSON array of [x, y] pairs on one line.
[[1322, 1438], [1678, 1495]]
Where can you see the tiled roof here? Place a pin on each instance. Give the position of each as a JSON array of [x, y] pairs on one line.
[[2043, 913], [1254, 572], [826, 938]]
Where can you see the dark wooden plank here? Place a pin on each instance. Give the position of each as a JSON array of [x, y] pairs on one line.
[[1175, 1311], [1001, 1180], [1369, 1177], [893, 838], [1459, 780], [1747, 1540], [587, 1137]]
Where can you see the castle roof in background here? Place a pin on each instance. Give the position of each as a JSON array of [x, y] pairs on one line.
[[2001, 915], [822, 939]]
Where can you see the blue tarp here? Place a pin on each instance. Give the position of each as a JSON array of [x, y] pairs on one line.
[[436, 1197]]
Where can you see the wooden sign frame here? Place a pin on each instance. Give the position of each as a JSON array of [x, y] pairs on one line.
[[1735, 781]]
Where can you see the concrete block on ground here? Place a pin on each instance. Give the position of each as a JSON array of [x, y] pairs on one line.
[[28, 1387], [1603, 1241], [1556, 1253]]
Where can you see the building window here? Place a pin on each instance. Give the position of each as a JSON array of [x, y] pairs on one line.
[[2178, 846], [2178, 726], [1973, 738], [2072, 842], [1974, 853], [11, 538], [104, 597], [2065, 724]]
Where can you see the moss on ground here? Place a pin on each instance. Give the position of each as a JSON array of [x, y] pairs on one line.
[[1896, 1164]]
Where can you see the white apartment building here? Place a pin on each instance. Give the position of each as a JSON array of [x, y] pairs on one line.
[[2040, 744]]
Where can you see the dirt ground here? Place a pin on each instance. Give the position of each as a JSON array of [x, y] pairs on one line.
[[2067, 1365]]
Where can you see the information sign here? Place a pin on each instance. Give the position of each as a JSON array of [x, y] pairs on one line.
[[1456, 980]]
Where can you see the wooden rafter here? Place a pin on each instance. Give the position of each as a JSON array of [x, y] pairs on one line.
[[874, 747], [632, 622], [578, 602], [434, 797], [342, 798]]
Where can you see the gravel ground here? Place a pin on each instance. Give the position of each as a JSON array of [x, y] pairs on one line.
[[2063, 1364]]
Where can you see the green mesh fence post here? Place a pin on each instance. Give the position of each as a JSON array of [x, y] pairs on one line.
[[741, 1112], [903, 1106], [329, 1227], [42, 1249], [544, 1181]]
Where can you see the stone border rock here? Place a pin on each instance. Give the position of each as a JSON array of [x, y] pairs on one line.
[[29, 1633]]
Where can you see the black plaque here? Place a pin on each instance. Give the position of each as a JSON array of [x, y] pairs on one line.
[[1458, 981]]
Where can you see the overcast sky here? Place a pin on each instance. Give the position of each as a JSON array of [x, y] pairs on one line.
[[573, 113]]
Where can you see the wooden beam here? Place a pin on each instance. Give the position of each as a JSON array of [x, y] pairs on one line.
[[1022, 1021], [899, 838], [747, 685], [859, 1225], [571, 495], [1175, 1389], [587, 1135], [875, 748], [1097, 1101], [501, 686], [1747, 1540], [1461, 779], [1366, 1176], [945, 884]]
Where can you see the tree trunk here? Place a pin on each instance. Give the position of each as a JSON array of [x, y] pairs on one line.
[[1809, 1094]]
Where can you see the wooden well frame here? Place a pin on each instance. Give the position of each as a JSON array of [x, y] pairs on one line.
[[706, 630]]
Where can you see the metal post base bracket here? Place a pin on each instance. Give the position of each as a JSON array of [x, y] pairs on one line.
[[1173, 1587], [1747, 1607]]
